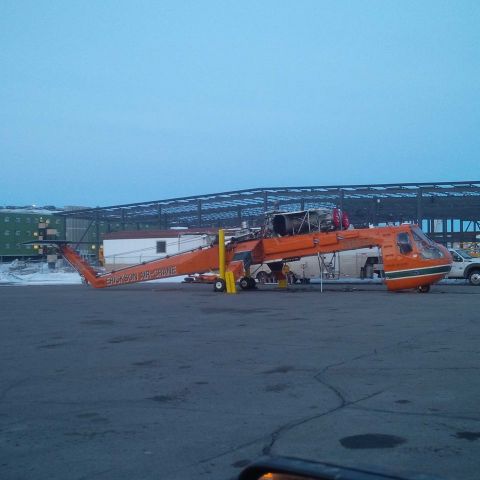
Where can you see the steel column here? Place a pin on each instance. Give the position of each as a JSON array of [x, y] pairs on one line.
[[419, 208], [199, 212]]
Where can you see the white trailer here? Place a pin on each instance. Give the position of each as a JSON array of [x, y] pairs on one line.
[[122, 249]]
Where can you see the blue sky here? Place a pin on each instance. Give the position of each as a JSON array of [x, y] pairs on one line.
[[125, 101]]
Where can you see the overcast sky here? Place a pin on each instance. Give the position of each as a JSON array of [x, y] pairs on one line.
[[105, 102]]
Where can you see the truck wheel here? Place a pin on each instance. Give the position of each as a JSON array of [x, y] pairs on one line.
[[219, 285], [423, 289], [252, 283], [245, 283], [474, 277]]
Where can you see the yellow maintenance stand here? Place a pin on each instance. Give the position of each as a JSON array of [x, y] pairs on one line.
[[227, 277]]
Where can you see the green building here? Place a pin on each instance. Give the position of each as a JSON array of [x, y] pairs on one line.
[[21, 224], [27, 224]]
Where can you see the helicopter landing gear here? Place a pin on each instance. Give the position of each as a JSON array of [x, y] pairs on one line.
[[247, 283], [423, 289], [219, 285]]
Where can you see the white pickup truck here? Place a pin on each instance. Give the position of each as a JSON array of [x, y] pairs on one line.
[[465, 266]]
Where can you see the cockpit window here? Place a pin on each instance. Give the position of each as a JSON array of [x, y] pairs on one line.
[[404, 244], [426, 247]]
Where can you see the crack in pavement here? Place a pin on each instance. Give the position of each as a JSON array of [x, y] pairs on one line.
[[338, 393], [289, 426], [342, 398]]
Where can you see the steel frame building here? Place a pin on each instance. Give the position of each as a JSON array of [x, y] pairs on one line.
[[448, 211]]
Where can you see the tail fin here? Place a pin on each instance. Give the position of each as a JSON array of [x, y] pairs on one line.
[[73, 258], [80, 265]]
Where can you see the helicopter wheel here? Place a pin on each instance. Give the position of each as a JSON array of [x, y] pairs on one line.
[[423, 289], [219, 285]]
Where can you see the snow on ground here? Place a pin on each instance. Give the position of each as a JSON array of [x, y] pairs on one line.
[[23, 274]]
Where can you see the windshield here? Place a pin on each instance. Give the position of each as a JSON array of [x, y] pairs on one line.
[[464, 254], [426, 247]]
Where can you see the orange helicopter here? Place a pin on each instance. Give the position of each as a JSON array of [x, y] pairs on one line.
[[410, 259]]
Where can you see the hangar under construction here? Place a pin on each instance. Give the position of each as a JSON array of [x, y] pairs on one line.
[[448, 211]]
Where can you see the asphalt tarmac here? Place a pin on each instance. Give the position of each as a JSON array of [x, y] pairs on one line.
[[171, 381]]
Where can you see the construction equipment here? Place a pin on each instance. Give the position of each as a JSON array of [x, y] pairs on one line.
[[410, 259]]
